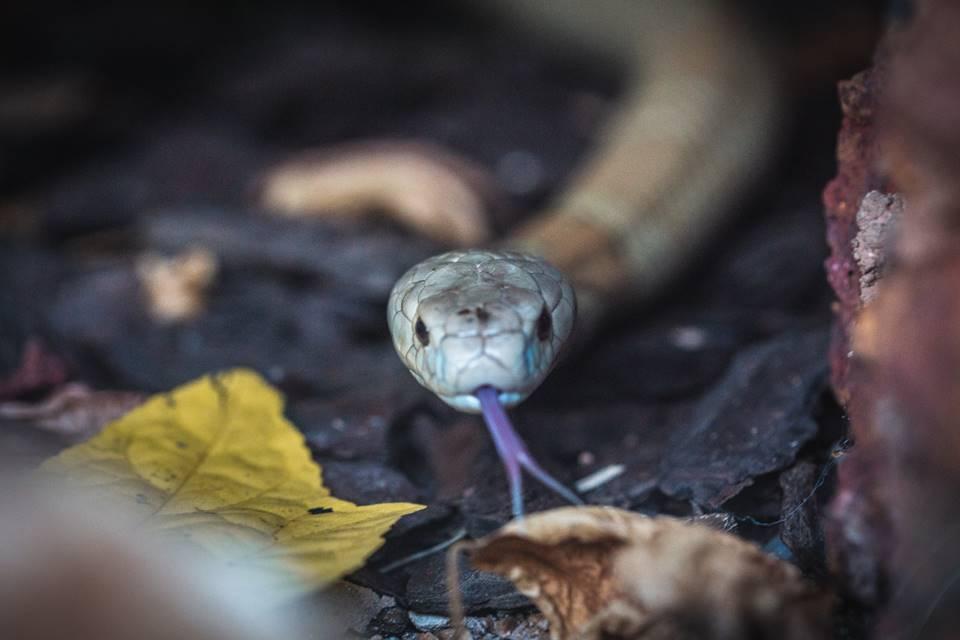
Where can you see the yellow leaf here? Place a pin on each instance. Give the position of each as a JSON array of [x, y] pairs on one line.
[[216, 465]]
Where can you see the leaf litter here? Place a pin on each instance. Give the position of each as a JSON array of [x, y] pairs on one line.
[[600, 572], [214, 465], [73, 411]]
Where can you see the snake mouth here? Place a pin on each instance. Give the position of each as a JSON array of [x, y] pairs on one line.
[[470, 403], [506, 398]]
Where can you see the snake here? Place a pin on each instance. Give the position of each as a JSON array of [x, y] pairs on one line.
[[482, 327]]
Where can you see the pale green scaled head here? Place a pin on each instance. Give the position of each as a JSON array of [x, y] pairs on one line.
[[466, 319]]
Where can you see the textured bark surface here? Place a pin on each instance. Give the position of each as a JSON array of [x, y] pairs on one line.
[[857, 174], [917, 325], [895, 515], [857, 533]]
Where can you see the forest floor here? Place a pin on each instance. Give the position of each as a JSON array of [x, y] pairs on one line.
[[713, 399]]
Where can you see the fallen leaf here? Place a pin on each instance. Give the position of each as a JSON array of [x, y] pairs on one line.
[[216, 465], [74, 410], [598, 572], [423, 186], [38, 370], [176, 286]]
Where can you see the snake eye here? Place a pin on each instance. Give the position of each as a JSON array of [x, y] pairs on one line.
[[544, 325], [422, 334]]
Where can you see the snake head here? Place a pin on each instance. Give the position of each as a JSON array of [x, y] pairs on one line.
[[469, 319]]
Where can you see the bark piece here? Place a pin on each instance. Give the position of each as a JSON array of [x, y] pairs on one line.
[[895, 515], [858, 531], [857, 173], [753, 422]]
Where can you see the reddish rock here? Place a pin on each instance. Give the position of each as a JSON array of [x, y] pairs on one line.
[[38, 370], [917, 326], [857, 174], [893, 527], [857, 539]]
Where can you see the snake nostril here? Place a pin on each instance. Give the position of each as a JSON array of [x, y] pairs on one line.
[[422, 334], [544, 325]]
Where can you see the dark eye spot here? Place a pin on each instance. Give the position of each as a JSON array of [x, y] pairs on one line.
[[422, 334], [544, 325]]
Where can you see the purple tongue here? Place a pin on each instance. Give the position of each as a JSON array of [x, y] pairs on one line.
[[514, 453]]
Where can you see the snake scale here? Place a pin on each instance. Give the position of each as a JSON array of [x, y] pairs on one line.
[[482, 328]]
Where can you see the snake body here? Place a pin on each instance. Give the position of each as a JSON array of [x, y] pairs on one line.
[[694, 128]]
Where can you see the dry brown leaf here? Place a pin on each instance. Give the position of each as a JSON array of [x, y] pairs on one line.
[[176, 286], [74, 410], [598, 572], [421, 185], [38, 369]]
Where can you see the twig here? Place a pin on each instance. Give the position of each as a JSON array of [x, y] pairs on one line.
[[423, 553]]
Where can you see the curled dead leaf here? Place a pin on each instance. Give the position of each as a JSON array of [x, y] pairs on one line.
[[422, 186], [176, 287], [597, 572], [74, 410], [38, 370]]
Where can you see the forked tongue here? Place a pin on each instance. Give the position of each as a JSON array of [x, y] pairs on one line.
[[514, 453]]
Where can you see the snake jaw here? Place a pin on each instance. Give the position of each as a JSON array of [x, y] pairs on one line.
[[469, 403]]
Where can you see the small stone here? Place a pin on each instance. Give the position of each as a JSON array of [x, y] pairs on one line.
[[877, 219], [428, 621], [505, 626], [477, 626], [390, 621], [688, 338]]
